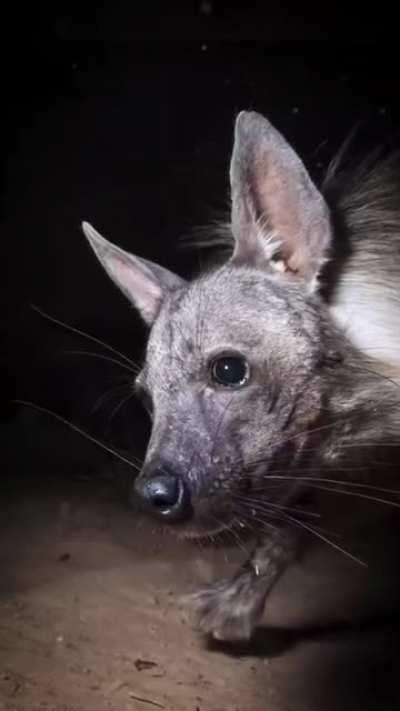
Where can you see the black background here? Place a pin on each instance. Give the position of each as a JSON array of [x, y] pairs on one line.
[[122, 114]]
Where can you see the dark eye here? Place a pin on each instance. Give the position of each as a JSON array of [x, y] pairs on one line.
[[230, 371]]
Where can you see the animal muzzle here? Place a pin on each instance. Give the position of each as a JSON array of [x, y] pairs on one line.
[[163, 494]]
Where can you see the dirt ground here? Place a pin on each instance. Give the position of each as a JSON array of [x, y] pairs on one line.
[[90, 618]]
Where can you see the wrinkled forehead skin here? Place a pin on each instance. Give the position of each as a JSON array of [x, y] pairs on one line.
[[231, 309]]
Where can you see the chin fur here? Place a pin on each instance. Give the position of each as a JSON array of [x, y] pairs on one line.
[[202, 534]]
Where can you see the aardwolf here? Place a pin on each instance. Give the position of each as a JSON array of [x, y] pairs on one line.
[[270, 379]]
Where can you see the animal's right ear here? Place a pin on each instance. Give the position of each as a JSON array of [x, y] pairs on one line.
[[144, 283], [279, 218]]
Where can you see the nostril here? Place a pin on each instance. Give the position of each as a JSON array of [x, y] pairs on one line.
[[161, 501]]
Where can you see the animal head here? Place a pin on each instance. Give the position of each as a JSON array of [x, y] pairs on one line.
[[239, 361]]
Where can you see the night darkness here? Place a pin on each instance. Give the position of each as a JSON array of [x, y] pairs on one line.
[[123, 116]]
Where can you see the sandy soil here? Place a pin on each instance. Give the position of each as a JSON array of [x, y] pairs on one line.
[[90, 618]]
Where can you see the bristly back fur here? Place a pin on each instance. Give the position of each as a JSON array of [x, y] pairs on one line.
[[362, 280]]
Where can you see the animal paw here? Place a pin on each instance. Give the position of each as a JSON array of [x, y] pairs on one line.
[[228, 610]]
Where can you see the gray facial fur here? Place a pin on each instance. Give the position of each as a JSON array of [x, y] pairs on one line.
[[312, 399]]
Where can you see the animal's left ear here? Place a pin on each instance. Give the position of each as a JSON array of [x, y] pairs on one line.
[[144, 283], [279, 218]]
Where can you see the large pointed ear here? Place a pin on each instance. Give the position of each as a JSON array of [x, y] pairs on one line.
[[279, 218], [144, 283]]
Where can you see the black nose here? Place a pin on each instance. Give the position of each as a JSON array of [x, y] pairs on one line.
[[164, 494]]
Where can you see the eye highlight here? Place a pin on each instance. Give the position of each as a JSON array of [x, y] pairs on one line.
[[230, 371]]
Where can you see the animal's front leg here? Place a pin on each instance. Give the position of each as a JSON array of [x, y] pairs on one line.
[[231, 608]]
